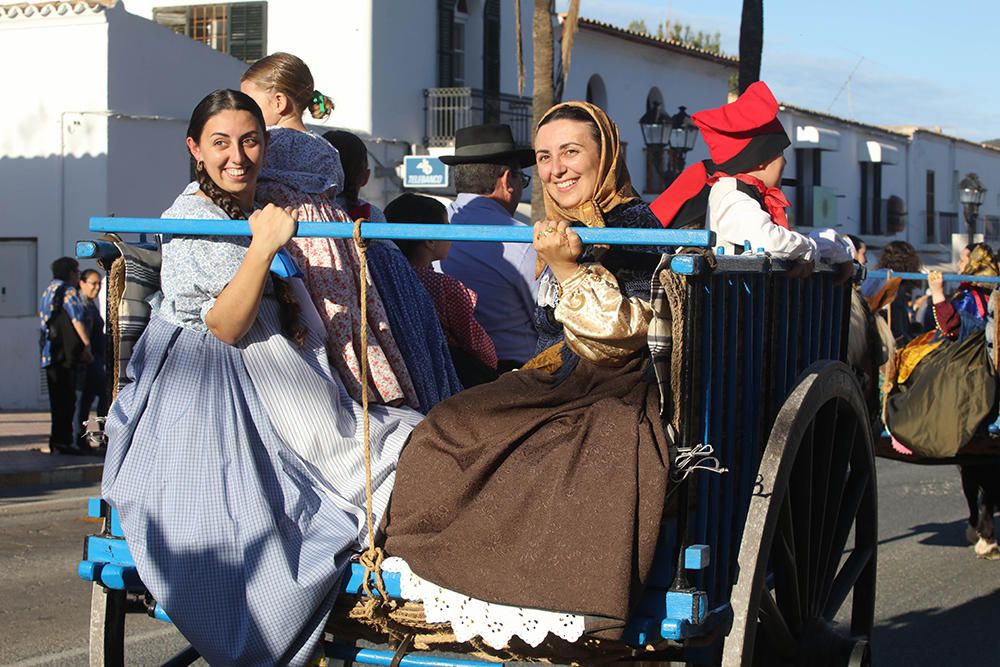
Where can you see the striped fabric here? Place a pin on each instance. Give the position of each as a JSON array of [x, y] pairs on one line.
[[142, 280], [659, 337]]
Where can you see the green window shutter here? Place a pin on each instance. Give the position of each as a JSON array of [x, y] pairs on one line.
[[446, 41], [248, 30], [491, 46]]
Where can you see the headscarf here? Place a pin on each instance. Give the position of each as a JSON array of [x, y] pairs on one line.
[[981, 262], [614, 187]]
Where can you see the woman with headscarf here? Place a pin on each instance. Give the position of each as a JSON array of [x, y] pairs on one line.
[[965, 311], [555, 473]]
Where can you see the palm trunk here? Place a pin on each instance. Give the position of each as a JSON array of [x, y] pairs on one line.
[[751, 42], [542, 86]]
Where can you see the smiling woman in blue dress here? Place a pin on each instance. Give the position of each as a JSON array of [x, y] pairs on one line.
[[235, 456]]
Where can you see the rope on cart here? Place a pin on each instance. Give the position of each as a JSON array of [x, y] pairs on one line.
[[371, 559]]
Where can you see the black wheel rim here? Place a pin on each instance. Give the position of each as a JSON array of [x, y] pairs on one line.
[[805, 593]]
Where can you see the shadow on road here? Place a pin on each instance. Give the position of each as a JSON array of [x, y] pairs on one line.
[[941, 534], [936, 636]]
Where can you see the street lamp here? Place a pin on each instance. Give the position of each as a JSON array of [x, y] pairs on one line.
[[972, 194], [683, 134], [676, 134]]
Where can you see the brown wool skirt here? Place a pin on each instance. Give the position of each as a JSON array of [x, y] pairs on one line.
[[531, 494]]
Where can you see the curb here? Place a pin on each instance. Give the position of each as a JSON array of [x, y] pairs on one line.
[[85, 473]]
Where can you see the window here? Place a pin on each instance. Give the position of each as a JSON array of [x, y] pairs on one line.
[[491, 46], [596, 92], [458, 52], [808, 175], [871, 198], [452, 18], [991, 228], [239, 29], [929, 208], [947, 225]]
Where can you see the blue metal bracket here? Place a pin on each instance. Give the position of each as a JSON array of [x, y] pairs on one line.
[[353, 584], [697, 557], [367, 656], [94, 508], [687, 265], [689, 606], [160, 615]]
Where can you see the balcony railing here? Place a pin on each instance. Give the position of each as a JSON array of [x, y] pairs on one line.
[[449, 109]]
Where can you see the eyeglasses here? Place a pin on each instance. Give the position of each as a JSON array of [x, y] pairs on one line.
[[525, 179]]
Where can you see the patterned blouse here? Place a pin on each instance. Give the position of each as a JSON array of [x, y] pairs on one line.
[[455, 305], [301, 169], [196, 269]]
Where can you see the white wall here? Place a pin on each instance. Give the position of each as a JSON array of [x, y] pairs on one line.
[[155, 80], [841, 170], [100, 130], [154, 71], [629, 70], [404, 63], [951, 160], [333, 37], [51, 160]]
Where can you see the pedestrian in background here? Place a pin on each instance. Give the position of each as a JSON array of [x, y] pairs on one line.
[[91, 378], [65, 344]]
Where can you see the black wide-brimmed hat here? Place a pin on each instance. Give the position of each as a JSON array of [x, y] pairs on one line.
[[488, 144]]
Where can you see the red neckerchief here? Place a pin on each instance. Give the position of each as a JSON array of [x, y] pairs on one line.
[[774, 199], [363, 211]]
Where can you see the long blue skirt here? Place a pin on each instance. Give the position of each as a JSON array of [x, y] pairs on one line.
[[239, 533]]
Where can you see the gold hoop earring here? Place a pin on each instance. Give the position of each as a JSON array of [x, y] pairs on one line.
[[199, 166]]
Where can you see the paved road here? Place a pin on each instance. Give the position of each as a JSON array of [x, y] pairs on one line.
[[937, 604], [44, 606]]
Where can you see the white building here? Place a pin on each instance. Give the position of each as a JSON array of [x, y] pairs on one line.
[[405, 75], [848, 173], [103, 102]]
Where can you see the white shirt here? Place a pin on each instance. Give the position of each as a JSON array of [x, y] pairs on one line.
[[736, 217]]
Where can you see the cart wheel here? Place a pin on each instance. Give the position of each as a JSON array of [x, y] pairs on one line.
[[107, 627], [815, 488]]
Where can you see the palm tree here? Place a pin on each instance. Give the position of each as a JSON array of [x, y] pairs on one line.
[[751, 42], [542, 85]]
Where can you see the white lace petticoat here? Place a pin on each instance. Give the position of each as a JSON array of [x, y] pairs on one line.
[[495, 623]]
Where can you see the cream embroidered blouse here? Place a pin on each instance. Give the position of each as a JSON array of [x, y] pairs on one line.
[[600, 323]]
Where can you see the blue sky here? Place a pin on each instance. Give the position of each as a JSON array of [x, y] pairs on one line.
[[932, 64]]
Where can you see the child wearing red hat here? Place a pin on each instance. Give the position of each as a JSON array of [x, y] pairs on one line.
[[746, 142]]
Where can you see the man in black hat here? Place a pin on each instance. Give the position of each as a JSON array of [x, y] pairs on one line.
[[488, 169]]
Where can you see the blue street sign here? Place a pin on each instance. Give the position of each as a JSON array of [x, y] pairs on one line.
[[424, 171]]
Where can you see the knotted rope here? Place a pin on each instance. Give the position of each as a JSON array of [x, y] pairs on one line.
[[373, 556]]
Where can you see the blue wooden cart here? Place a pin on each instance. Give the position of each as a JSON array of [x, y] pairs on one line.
[[768, 554]]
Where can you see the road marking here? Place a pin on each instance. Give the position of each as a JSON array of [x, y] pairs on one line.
[[57, 658]]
